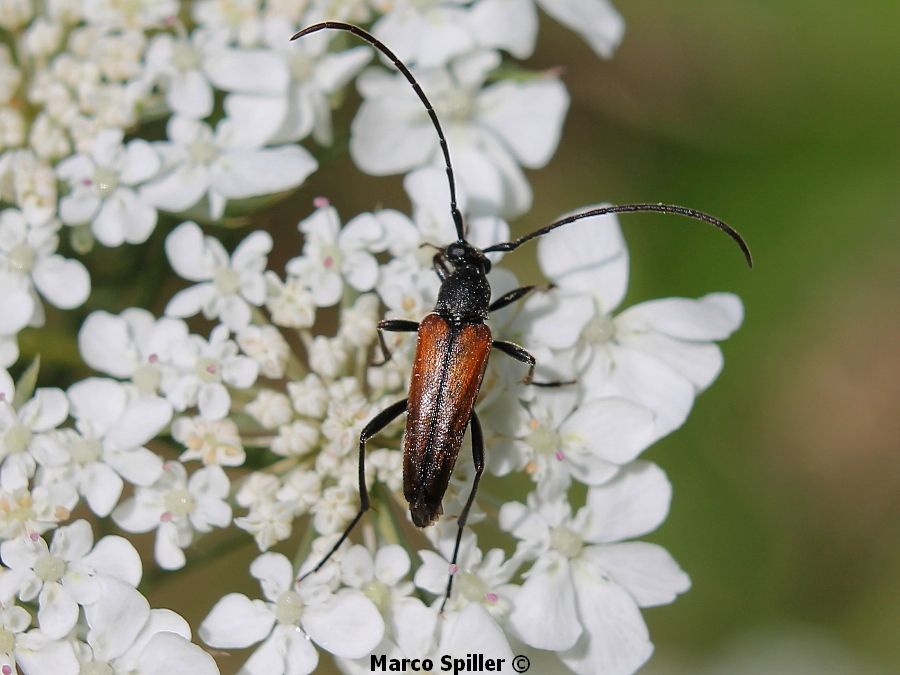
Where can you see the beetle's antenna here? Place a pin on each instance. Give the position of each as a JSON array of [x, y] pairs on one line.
[[631, 208], [380, 46]]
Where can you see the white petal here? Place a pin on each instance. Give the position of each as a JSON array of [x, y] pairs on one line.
[[527, 116], [615, 640], [391, 564], [249, 72], [712, 317], [241, 174], [99, 402], [65, 283], [588, 256], [58, 612], [254, 119], [188, 253], [52, 408], [115, 557], [386, 139], [72, 542], [616, 430], [634, 503], [287, 651], [506, 24], [141, 162], [115, 619], [191, 300], [39, 656], [179, 189], [699, 362], [474, 630], [597, 21], [236, 622], [190, 95], [79, 207], [213, 401], [647, 571], [252, 251], [141, 421], [350, 613], [274, 572], [105, 344], [167, 549], [16, 304], [124, 216], [101, 487], [139, 465], [543, 613], [170, 654]]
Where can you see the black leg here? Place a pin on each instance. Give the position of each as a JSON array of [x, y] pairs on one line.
[[478, 459], [376, 424], [395, 326], [524, 356], [516, 294], [440, 265]]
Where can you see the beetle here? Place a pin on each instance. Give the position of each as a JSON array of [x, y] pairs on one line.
[[452, 347]]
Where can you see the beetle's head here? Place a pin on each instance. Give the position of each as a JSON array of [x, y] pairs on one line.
[[462, 254]]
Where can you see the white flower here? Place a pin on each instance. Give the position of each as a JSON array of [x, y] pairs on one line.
[[204, 368], [28, 251], [24, 442], [659, 353], [492, 129], [29, 183], [134, 345], [177, 62], [24, 511], [293, 617], [512, 24], [477, 578], [102, 189], [266, 346], [113, 426], [291, 303], [295, 439], [221, 165], [271, 409], [227, 288], [126, 636], [32, 650], [282, 93], [426, 34], [562, 438], [177, 507], [210, 441], [137, 14], [66, 574], [332, 254], [269, 521], [582, 596]]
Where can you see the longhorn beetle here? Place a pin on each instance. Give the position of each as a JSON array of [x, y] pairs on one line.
[[452, 348]]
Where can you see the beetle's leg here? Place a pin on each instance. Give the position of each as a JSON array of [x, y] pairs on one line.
[[524, 356], [516, 294], [478, 459], [395, 326], [376, 424], [440, 265]]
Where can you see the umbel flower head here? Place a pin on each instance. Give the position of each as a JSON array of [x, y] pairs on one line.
[[235, 414]]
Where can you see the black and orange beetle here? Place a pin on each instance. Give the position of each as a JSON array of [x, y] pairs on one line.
[[453, 345]]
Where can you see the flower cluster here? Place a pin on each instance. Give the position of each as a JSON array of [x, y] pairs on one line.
[[240, 408]]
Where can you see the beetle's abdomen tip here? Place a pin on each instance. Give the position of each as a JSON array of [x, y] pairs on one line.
[[424, 514]]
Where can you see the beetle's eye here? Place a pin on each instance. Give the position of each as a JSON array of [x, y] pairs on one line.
[[487, 266], [455, 251]]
